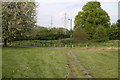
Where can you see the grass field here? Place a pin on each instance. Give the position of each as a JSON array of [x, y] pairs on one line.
[[52, 63], [99, 63]]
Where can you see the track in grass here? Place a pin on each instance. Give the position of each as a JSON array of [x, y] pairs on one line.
[[85, 72], [72, 72]]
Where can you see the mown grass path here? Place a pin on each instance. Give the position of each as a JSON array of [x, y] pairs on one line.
[[85, 72]]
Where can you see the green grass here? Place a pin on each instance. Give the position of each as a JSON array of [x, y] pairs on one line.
[[100, 64], [52, 63], [33, 63]]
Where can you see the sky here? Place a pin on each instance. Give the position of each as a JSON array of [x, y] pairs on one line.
[[57, 9]]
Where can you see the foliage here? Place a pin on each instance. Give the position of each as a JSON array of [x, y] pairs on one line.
[[63, 42], [113, 32], [80, 35], [100, 34], [43, 33], [40, 32], [60, 32], [67, 41], [17, 20], [118, 24], [92, 16]]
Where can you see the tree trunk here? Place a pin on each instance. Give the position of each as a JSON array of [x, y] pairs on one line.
[[5, 42]]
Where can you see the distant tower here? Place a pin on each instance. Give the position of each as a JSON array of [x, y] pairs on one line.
[[65, 20], [51, 22]]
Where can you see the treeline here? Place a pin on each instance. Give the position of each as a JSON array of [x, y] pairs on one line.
[[91, 24], [19, 23], [44, 33]]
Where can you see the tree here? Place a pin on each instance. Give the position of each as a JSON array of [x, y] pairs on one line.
[[17, 20], [41, 33], [59, 33], [118, 25], [100, 34], [113, 32], [92, 16], [80, 35]]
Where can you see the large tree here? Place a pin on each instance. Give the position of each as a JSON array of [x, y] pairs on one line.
[[17, 19], [100, 34], [92, 16]]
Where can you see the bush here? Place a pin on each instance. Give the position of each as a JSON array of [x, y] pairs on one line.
[[67, 41], [80, 35]]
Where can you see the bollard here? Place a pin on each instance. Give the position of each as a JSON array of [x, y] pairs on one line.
[[72, 45]]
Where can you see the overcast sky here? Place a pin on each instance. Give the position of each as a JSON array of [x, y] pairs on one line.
[[58, 8]]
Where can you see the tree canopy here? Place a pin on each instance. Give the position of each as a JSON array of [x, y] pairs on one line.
[[113, 32], [43, 33], [92, 14], [17, 19], [100, 34]]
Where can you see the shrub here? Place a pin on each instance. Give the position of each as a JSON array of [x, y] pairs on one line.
[[80, 35], [66, 41]]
